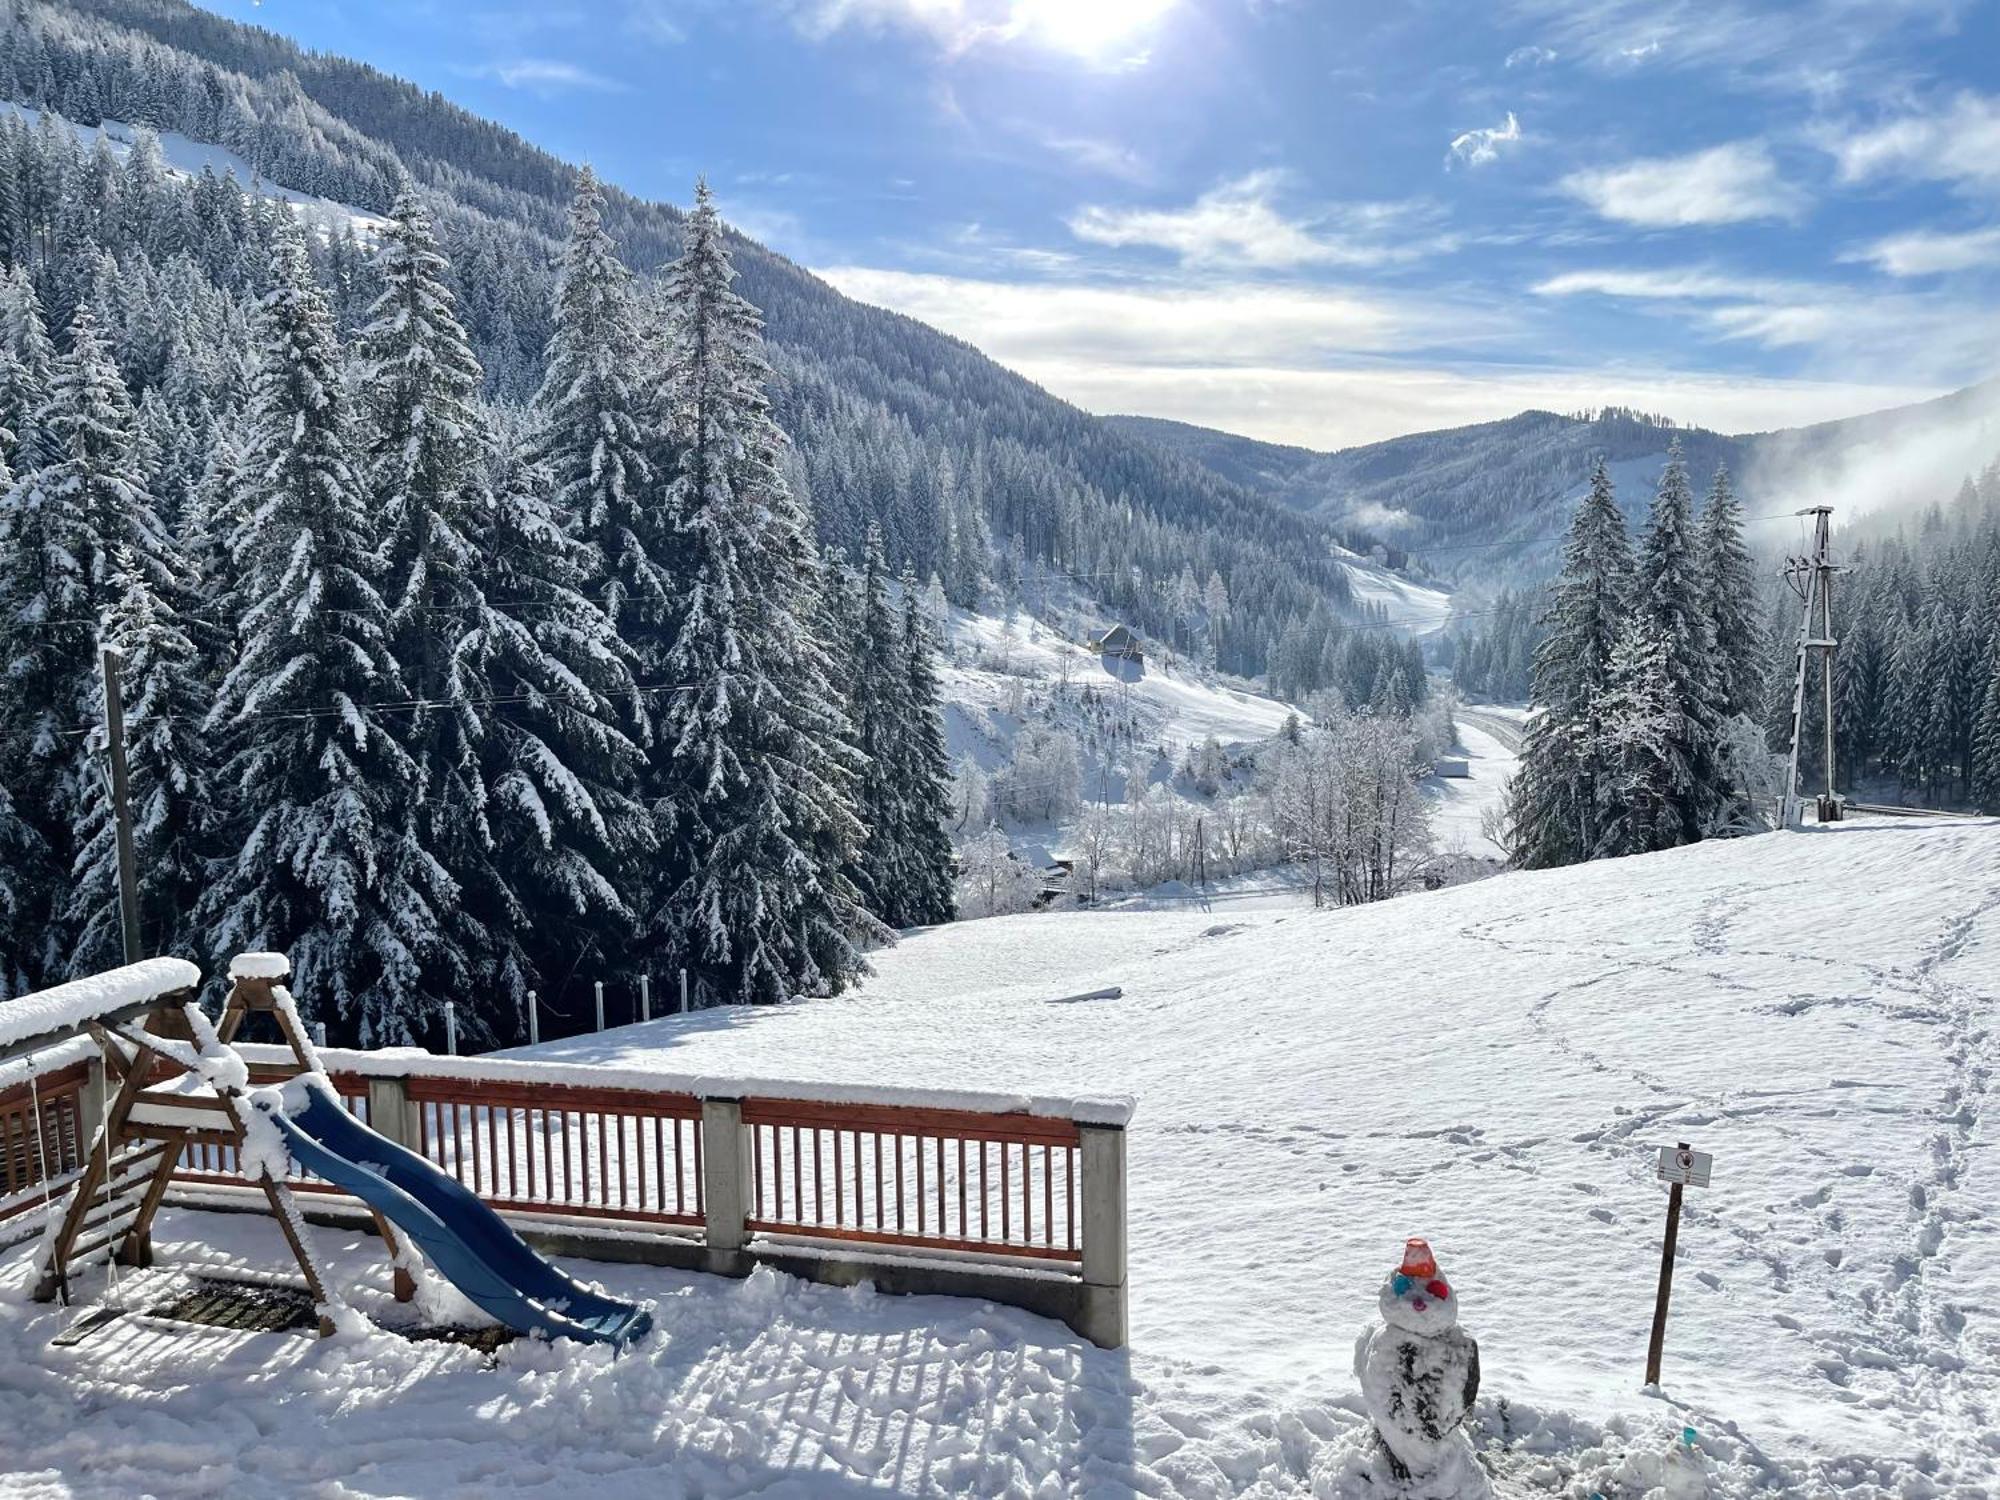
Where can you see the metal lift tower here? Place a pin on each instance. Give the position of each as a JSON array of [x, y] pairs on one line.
[[1811, 579]]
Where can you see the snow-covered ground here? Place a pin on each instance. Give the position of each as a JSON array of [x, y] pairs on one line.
[[1409, 607], [186, 157], [1490, 1066], [1460, 804]]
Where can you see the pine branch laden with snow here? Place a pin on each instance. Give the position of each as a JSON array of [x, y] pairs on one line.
[[755, 792], [328, 866]]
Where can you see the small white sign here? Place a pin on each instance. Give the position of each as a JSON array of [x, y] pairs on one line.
[[1678, 1164]]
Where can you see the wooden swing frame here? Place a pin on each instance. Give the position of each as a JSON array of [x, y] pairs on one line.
[[136, 1158]]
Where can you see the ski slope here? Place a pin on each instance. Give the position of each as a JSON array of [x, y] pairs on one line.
[[1489, 1066], [1408, 607]]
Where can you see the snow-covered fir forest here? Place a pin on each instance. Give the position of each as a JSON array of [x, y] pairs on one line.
[[1916, 679], [445, 699]]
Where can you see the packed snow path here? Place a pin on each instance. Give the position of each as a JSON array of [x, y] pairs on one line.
[[1488, 1066]]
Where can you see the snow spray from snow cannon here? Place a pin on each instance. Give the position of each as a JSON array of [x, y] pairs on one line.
[[1419, 1374]]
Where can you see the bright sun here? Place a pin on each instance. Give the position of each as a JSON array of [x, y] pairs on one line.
[[1088, 28]]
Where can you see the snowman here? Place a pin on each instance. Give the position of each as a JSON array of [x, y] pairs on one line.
[[1419, 1373]]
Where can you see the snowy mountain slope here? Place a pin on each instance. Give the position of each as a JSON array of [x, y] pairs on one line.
[[1492, 1065], [187, 158]]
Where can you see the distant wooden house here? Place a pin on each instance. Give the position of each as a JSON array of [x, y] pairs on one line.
[[1119, 645], [1452, 768]]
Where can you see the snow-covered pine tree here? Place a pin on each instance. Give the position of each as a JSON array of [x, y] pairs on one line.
[[172, 795], [569, 829], [595, 422], [1986, 735], [1730, 581], [926, 891], [327, 867], [1555, 804], [27, 369], [876, 715], [63, 529], [757, 816], [1637, 721], [1669, 596], [423, 467]]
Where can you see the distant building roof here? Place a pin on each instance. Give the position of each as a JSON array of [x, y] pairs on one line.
[[1119, 641]]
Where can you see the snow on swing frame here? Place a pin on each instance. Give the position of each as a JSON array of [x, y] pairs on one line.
[[179, 1082]]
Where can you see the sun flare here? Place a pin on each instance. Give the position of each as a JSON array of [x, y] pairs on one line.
[[1088, 28]]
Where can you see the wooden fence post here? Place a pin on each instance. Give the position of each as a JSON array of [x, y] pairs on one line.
[[725, 1184], [1102, 1318]]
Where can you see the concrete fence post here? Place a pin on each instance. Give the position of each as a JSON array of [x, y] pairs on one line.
[[1102, 1317], [389, 1112], [725, 1184]]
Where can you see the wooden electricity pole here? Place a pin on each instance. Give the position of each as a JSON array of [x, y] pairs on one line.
[[121, 804]]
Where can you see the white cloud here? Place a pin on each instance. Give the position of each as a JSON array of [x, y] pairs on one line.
[[1816, 47], [1108, 158], [1959, 143], [1239, 224], [1530, 57], [543, 75], [1723, 185], [1692, 283], [1924, 252], [1138, 323], [1296, 366], [1925, 339], [1475, 148]]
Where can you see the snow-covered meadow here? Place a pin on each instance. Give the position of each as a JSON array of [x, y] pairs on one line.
[[1489, 1066]]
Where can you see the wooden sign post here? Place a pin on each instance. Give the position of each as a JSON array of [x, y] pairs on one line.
[[1681, 1166]]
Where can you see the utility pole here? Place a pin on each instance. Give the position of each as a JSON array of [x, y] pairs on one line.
[[121, 804], [1811, 579]]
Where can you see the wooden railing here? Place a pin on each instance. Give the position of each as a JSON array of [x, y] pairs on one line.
[[1001, 1183], [41, 1155], [549, 1148], [721, 1174]]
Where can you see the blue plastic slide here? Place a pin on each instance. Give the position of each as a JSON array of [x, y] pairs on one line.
[[465, 1241]]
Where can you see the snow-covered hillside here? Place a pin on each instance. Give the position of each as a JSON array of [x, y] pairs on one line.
[[186, 158], [1492, 1066], [997, 662], [1406, 606]]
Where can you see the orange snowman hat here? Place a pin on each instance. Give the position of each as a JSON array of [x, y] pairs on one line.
[[1418, 1262]]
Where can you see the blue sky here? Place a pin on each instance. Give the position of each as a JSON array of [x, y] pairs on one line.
[[1314, 221]]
